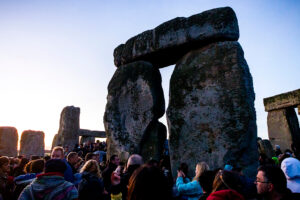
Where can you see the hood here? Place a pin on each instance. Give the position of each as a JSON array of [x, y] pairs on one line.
[[26, 178], [291, 168], [46, 183]]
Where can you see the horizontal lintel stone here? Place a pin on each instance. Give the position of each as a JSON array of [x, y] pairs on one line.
[[168, 42], [284, 100]]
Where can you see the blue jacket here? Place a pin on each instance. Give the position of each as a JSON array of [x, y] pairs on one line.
[[69, 176], [192, 189]]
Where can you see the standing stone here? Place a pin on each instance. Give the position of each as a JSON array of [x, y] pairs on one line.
[[265, 147], [56, 141], [283, 127], [152, 144], [211, 113], [69, 127], [32, 143], [135, 99], [8, 141]]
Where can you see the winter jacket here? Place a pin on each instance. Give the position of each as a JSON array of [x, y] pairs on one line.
[[90, 187], [21, 182], [191, 189], [69, 176], [225, 194], [291, 168], [49, 186]]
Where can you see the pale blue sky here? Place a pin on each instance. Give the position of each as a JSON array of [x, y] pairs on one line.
[[55, 53]]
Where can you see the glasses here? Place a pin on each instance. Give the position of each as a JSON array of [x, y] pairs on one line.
[[258, 181]]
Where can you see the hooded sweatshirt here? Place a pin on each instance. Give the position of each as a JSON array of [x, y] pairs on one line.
[[49, 186], [291, 168]]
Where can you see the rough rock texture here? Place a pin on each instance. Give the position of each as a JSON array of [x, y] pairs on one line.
[[152, 144], [32, 143], [178, 36], [265, 147], [56, 141], [211, 115], [68, 127], [283, 128], [8, 141], [86, 139], [285, 100], [135, 99]]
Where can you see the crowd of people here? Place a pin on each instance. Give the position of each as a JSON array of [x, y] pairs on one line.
[[86, 173]]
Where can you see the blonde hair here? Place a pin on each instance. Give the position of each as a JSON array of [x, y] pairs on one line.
[[200, 168], [92, 167], [58, 148]]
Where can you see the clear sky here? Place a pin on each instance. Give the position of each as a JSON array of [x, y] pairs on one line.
[[56, 53]]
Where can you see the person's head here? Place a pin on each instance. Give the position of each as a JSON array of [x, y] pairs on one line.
[[23, 162], [37, 166], [90, 156], [55, 165], [57, 153], [184, 168], [227, 180], [200, 168], [148, 183], [78, 163], [206, 180], [91, 166], [72, 158], [270, 179], [135, 159], [27, 167], [4, 164], [153, 163], [114, 159]]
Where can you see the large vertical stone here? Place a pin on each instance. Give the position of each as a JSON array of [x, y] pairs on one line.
[[8, 141], [211, 113], [69, 127], [283, 127], [135, 99], [32, 143]]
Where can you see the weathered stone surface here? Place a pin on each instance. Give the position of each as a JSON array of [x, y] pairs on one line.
[[265, 147], [69, 126], [8, 141], [135, 99], [86, 139], [56, 141], [152, 144], [283, 127], [85, 132], [32, 143], [211, 113], [178, 36], [285, 100]]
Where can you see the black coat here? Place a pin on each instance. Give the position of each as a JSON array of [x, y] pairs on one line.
[[90, 187]]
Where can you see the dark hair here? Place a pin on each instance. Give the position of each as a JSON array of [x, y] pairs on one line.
[[148, 183], [276, 176], [88, 156], [184, 167], [113, 157], [55, 165], [37, 166], [3, 160], [227, 180], [206, 180]]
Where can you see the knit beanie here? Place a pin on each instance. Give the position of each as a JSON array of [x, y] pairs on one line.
[[55, 165]]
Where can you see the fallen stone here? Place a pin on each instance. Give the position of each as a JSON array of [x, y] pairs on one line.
[[178, 36], [283, 128], [135, 99], [8, 141], [32, 143], [211, 114]]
